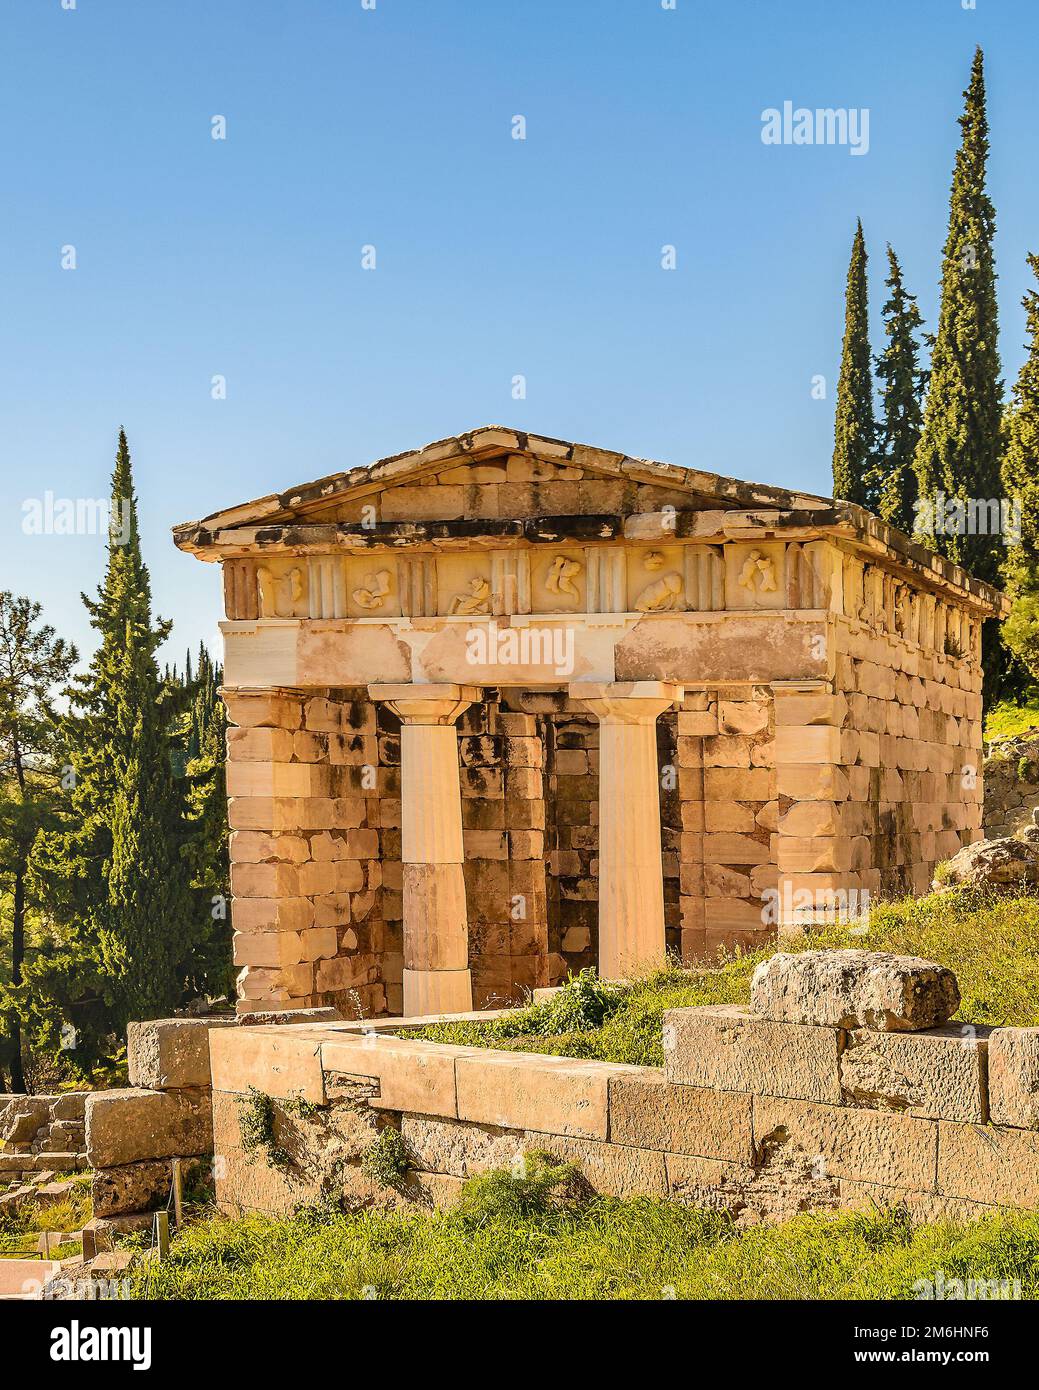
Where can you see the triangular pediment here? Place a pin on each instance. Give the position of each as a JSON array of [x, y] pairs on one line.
[[494, 472]]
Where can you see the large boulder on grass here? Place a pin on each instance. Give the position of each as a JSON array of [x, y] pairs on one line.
[[1004, 863], [855, 989]]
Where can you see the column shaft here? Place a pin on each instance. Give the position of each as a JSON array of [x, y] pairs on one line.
[[436, 929], [631, 874]]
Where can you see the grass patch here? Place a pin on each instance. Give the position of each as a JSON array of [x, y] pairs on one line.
[[503, 1244], [19, 1233], [990, 942], [1006, 720]]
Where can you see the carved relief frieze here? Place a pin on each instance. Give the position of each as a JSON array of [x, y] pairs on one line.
[[561, 575], [474, 600], [283, 589], [664, 593], [671, 577], [559, 583], [374, 591], [758, 573], [753, 574]]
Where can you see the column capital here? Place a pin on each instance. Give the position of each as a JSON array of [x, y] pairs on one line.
[[629, 702], [426, 704]]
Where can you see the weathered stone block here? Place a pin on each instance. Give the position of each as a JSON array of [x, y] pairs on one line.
[[23, 1116], [725, 1047], [131, 1187], [1013, 1059], [647, 1111], [699, 1181], [1001, 1165], [131, 1126], [413, 1075], [939, 1074], [446, 1146], [868, 1145], [615, 1170], [279, 1063], [168, 1053], [550, 1095], [742, 716], [813, 743], [853, 989]]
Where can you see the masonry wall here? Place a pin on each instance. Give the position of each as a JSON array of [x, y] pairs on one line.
[[758, 1118], [314, 814], [41, 1134], [879, 772], [314, 781], [769, 794]]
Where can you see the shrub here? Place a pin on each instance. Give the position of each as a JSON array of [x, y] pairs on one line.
[[387, 1160], [538, 1187], [257, 1125]]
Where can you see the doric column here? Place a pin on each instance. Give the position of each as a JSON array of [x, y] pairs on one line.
[[436, 932], [631, 875]]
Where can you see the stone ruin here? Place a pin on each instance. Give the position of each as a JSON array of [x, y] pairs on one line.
[[842, 1085], [507, 706]]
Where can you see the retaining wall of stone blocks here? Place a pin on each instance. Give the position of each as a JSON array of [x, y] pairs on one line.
[[757, 1117], [133, 1134], [41, 1134]]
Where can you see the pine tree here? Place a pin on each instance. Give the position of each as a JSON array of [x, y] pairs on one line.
[[1021, 481], [33, 661], [958, 456], [115, 869], [892, 482], [855, 427]]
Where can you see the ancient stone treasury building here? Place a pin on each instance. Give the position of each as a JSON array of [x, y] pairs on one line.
[[505, 707]]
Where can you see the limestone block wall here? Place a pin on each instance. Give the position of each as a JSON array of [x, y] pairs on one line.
[[41, 1134], [315, 814], [756, 1117], [914, 721], [728, 808], [133, 1134], [768, 793], [879, 771]]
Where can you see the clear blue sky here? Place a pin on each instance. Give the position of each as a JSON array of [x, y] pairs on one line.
[[496, 257]]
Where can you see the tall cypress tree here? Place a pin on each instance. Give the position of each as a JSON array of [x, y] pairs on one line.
[[115, 868], [1021, 481], [958, 456], [892, 482], [855, 426]]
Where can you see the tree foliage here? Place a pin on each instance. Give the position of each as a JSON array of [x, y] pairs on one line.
[[855, 425]]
